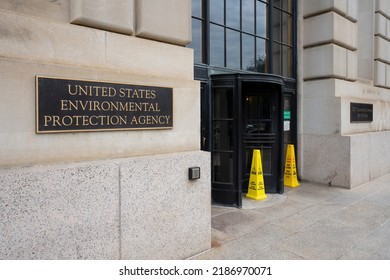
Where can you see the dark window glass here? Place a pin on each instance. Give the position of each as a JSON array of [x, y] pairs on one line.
[[261, 55], [233, 13], [248, 53], [258, 106], [266, 159], [217, 11], [233, 49], [223, 167], [261, 19], [248, 16], [223, 135], [276, 25], [277, 61], [223, 103], [239, 32], [197, 8], [254, 127], [278, 3], [287, 61], [287, 28], [196, 43], [217, 45]]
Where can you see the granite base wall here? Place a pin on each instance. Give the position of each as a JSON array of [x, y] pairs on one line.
[[346, 161], [133, 208]]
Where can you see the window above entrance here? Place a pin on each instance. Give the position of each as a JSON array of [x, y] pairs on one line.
[[246, 35]]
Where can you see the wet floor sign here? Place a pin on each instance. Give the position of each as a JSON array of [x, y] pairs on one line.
[[290, 170], [256, 188]]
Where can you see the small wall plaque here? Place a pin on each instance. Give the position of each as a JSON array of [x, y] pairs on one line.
[[361, 112]]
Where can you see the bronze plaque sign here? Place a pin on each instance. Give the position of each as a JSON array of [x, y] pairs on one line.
[[64, 105], [361, 112]]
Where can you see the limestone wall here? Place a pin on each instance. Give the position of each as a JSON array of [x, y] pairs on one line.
[[103, 194], [344, 48], [40, 42], [382, 44]]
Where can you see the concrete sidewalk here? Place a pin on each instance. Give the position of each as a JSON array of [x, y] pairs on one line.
[[312, 222]]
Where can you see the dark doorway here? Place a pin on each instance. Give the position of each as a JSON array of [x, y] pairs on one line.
[[246, 114], [260, 131]]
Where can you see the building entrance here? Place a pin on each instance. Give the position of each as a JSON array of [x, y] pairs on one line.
[[247, 114]]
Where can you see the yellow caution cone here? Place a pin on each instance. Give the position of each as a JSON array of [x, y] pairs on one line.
[[290, 170], [256, 179]]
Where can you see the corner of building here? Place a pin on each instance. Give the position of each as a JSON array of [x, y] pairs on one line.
[[101, 194], [344, 96]]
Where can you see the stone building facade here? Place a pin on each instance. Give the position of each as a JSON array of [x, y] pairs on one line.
[[101, 194], [125, 193], [344, 58]]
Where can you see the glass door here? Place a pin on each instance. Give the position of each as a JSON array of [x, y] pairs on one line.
[[246, 114], [260, 131], [223, 151]]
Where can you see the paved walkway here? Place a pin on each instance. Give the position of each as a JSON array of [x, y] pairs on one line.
[[311, 222]]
